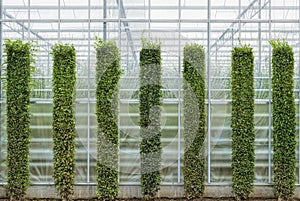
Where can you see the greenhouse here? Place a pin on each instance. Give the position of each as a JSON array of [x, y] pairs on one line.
[[191, 51]]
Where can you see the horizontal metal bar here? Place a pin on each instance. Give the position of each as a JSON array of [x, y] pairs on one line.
[[153, 7], [184, 30], [287, 21]]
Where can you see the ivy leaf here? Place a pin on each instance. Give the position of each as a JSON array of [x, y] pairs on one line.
[[284, 119], [63, 127], [19, 57], [108, 74], [242, 121], [194, 121], [150, 101]]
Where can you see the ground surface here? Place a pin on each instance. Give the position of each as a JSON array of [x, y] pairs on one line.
[[160, 199]]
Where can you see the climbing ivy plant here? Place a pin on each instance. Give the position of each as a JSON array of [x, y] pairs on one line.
[[108, 74], [19, 57], [150, 113], [242, 121], [63, 128], [194, 120], [284, 119]]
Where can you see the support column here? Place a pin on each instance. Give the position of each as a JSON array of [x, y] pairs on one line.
[[104, 18]]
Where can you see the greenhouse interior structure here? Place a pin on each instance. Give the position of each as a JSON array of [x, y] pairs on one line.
[[217, 25]]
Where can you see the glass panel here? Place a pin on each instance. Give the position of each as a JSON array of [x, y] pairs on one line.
[[41, 145], [261, 143], [220, 144], [175, 27]]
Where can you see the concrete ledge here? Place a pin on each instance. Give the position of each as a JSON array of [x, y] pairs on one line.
[[134, 191]]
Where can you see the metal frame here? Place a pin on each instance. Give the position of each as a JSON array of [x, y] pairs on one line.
[[89, 94], [208, 89], [218, 41], [299, 101], [1, 55], [270, 104], [179, 98]]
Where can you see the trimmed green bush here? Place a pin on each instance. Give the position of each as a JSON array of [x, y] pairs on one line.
[[194, 120], [108, 74], [150, 117], [18, 70], [242, 121], [64, 78], [284, 119]]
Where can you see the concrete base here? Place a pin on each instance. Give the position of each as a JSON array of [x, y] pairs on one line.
[[134, 191]]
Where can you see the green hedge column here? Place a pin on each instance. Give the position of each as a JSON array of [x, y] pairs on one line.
[[150, 112], [242, 121], [194, 120], [64, 77], [19, 57], [284, 119], [108, 74]]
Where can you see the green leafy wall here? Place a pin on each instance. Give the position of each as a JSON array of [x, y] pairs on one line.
[[108, 74], [242, 121], [284, 119], [63, 128], [150, 115], [194, 120], [18, 69]]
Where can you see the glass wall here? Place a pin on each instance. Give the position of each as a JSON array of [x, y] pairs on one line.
[[216, 24]]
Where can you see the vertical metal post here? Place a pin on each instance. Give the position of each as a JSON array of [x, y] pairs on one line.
[[208, 88], [270, 106], [127, 59], [119, 104], [232, 38], [23, 32], [89, 92], [104, 18], [299, 99], [59, 3], [149, 18], [259, 37], [1, 55], [48, 60], [29, 21], [240, 11], [179, 94]]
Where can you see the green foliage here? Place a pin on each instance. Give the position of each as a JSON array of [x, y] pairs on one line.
[[168, 94], [150, 44], [242, 121], [18, 70], [150, 115], [194, 120], [284, 119], [108, 74], [64, 78]]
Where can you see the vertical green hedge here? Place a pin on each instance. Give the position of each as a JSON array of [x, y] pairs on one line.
[[108, 74], [242, 121], [19, 58], [150, 113], [64, 78], [194, 120], [284, 119]]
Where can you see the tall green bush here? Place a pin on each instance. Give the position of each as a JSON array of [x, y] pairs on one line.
[[108, 74], [284, 119], [18, 70], [64, 78], [150, 115], [242, 121], [194, 120]]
